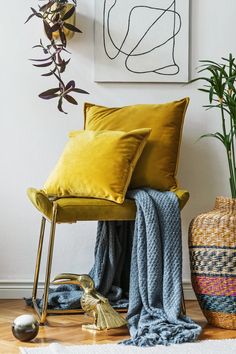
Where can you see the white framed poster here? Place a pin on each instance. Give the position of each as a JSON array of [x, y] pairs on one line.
[[141, 41]]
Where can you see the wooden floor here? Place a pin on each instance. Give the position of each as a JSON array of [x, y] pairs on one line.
[[67, 329]]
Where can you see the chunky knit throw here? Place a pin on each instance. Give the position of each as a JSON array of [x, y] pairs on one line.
[[144, 259], [156, 273]]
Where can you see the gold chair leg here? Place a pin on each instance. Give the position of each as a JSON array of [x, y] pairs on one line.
[[49, 265], [38, 260], [183, 307]]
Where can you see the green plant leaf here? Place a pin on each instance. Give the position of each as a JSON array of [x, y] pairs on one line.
[[215, 135]]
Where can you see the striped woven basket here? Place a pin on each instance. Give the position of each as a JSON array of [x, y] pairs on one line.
[[212, 244]]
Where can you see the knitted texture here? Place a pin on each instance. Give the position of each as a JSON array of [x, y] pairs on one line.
[[156, 273], [152, 273]]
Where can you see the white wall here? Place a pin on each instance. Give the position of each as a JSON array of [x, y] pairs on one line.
[[33, 132]]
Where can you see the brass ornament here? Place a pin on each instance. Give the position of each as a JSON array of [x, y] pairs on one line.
[[94, 304]]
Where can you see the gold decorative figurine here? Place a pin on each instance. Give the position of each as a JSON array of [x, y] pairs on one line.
[[93, 303]]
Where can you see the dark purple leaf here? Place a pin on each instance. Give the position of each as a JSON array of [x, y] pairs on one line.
[[30, 16], [43, 65], [59, 58], [55, 27], [50, 73], [36, 13], [47, 30], [49, 97], [63, 37], [79, 90], [62, 66], [71, 84], [68, 14], [71, 27], [37, 46], [49, 92], [71, 99], [59, 106], [67, 62], [56, 19], [45, 59]]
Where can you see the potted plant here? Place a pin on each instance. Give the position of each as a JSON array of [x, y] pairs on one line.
[[58, 18], [212, 235]]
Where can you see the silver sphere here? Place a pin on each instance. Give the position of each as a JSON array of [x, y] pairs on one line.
[[25, 327]]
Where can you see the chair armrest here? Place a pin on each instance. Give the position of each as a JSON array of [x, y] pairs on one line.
[[41, 201], [182, 195]]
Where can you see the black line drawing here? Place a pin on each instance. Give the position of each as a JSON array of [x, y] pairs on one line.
[[159, 12]]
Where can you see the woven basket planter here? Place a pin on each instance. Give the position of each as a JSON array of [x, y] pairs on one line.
[[212, 244]]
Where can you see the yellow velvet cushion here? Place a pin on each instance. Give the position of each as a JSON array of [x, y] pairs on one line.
[[97, 164], [157, 167]]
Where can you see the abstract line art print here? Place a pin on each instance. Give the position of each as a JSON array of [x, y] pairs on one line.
[[142, 40]]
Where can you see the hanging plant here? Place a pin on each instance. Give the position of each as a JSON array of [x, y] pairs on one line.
[[58, 17]]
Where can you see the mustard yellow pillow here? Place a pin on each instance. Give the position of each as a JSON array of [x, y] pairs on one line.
[[97, 164], [157, 167]]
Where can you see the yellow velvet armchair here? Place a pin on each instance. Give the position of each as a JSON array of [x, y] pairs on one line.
[[72, 210], [156, 168]]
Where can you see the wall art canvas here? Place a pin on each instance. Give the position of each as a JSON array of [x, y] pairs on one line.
[[142, 40]]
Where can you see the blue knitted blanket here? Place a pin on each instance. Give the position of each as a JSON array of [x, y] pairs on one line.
[[143, 259], [154, 314]]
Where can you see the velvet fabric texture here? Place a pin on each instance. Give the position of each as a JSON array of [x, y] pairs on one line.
[[157, 167], [97, 164], [81, 209]]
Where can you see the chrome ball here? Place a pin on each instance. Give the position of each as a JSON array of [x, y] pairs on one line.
[[25, 328]]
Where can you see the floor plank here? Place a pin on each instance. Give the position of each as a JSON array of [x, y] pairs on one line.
[[67, 329]]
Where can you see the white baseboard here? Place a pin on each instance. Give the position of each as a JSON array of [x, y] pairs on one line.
[[188, 291], [18, 289], [21, 288]]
